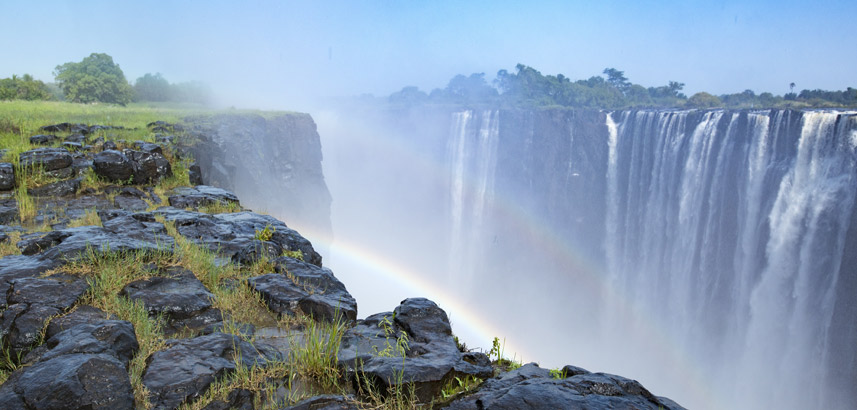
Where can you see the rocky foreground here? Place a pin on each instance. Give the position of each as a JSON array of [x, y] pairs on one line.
[[60, 351]]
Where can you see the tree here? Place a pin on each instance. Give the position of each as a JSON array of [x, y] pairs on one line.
[[617, 79], [704, 100], [23, 88], [152, 88], [95, 79]]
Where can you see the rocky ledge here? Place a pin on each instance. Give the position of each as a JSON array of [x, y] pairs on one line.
[[166, 335]]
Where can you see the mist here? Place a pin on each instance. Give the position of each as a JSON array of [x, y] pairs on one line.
[[413, 211]]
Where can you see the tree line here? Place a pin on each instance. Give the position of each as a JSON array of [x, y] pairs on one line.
[[527, 87], [97, 78]]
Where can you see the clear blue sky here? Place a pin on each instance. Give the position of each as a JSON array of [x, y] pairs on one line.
[[282, 54]]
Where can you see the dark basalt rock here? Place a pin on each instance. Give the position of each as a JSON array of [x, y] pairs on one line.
[[9, 212], [72, 381], [31, 303], [326, 402], [67, 127], [201, 195], [83, 314], [179, 296], [148, 167], [76, 138], [148, 147], [185, 369], [195, 174], [430, 362], [531, 387], [113, 337], [7, 176], [257, 250], [238, 399], [130, 199], [122, 232], [230, 233], [109, 145], [42, 139], [113, 166], [313, 290], [50, 159], [67, 187]]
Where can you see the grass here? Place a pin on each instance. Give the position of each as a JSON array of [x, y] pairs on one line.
[[220, 207], [9, 246], [108, 272], [89, 218]]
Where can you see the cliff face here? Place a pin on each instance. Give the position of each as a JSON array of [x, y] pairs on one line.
[[273, 164]]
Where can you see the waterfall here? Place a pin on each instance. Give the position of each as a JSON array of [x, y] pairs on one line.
[[471, 158], [730, 228]]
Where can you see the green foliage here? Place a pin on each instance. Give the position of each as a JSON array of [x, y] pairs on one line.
[[23, 88], [558, 374], [152, 88], [265, 234], [156, 88], [703, 100], [298, 254], [95, 79], [458, 385]]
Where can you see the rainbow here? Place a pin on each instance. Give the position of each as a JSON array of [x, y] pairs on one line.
[[471, 324]]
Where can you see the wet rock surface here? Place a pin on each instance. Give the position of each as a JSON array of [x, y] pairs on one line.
[[201, 195], [7, 176], [187, 368], [179, 297], [432, 359], [230, 233], [85, 366], [49, 159], [301, 286], [531, 387]]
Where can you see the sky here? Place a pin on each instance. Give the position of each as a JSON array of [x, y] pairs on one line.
[[288, 54]]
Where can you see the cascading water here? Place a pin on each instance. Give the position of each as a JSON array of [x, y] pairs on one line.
[[725, 231], [731, 230], [472, 157]]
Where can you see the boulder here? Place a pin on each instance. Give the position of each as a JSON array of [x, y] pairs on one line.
[[149, 167], [83, 314], [313, 290], [9, 213], [131, 199], [32, 302], [43, 139], [230, 233], [113, 166], [369, 350], [7, 176], [67, 127], [50, 159], [179, 296], [148, 147], [531, 387], [198, 196], [71, 381], [66, 187], [187, 367]]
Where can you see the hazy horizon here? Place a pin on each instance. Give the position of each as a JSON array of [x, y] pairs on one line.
[[290, 55]]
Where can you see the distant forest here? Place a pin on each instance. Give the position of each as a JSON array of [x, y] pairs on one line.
[[527, 87], [98, 79]]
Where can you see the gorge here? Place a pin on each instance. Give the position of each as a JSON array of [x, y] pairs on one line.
[[708, 254]]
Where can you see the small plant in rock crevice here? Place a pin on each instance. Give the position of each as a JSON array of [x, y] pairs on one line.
[[265, 234]]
